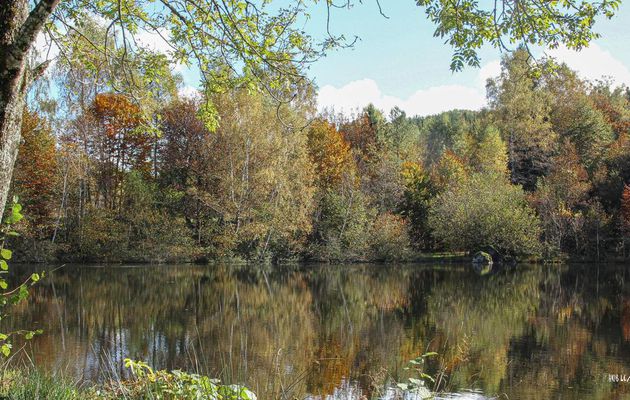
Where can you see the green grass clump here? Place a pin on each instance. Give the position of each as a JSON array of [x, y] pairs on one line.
[[22, 384], [30, 384]]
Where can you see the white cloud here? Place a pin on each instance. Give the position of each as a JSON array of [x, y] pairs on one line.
[[45, 48], [357, 94], [154, 41], [593, 63], [489, 70], [188, 92]]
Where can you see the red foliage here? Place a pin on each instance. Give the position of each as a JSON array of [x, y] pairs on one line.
[[360, 134], [124, 145], [614, 117], [34, 178]]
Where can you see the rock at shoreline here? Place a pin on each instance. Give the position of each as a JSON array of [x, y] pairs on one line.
[[482, 258]]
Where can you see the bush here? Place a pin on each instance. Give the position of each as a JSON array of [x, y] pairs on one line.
[[343, 227], [486, 211], [158, 237], [176, 385], [389, 239], [102, 236]]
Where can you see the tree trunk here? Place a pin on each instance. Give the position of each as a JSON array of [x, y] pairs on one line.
[[18, 30]]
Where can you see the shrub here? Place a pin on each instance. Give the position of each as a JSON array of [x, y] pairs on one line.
[[178, 385], [102, 236], [389, 238], [343, 227], [486, 211]]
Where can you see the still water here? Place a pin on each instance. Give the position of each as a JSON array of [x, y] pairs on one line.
[[343, 332]]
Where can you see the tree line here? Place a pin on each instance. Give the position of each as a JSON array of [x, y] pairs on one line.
[[540, 172], [243, 42]]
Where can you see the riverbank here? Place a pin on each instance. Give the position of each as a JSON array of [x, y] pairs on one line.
[[407, 258]]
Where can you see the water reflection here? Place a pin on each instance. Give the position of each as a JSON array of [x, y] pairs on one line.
[[343, 332]]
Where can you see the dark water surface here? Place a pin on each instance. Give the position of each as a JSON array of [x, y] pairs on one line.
[[341, 332]]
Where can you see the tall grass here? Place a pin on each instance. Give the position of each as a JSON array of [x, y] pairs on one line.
[[30, 384]]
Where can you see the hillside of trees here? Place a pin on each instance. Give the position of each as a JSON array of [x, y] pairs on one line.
[[541, 172]]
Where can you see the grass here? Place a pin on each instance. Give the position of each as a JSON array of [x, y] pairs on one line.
[[23, 384], [32, 384]]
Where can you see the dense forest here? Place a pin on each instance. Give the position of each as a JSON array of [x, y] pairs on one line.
[[540, 172]]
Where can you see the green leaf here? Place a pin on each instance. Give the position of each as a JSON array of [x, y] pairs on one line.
[[416, 382], [35, 277], [6, 349], [21, 295], [3, 265], [3, 284], [30, 334], [6, 254]]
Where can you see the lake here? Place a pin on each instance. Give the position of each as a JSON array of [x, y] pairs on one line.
[[342, 331]]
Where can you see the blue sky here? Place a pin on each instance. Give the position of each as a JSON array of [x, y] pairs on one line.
[[398, 61]]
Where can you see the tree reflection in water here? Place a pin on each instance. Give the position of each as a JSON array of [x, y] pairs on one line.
[[342, 332]]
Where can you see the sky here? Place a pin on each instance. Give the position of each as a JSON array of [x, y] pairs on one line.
[[398, 62]]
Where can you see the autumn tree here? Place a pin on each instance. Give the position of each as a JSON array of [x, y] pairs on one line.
[[522, 114], [181, 154], [561, 201], [614, 103], [117, 144], [361, 133], [258, 181], [342, 218], [35, 180], [613, 172], [489, 153], [625, 206], [183, 164], [329, 153], [418, 192], [258, 43], [575, 117], [450, 170]]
